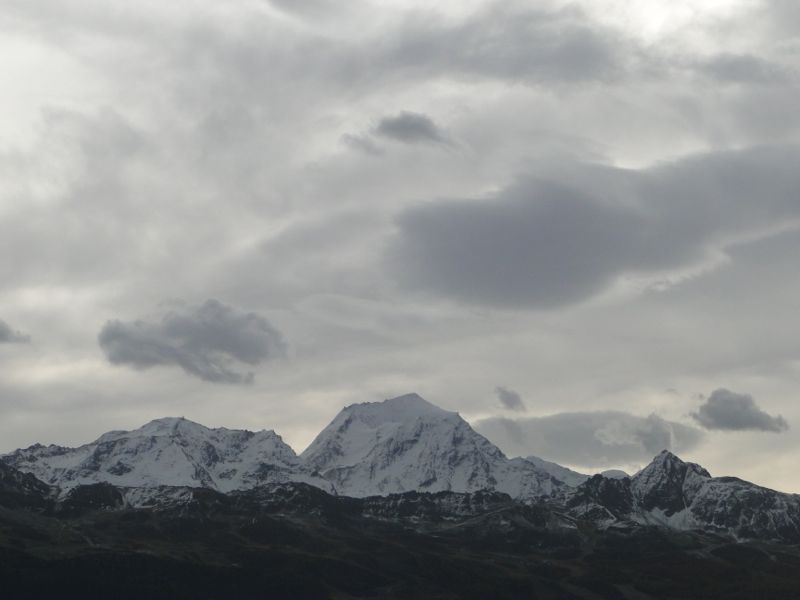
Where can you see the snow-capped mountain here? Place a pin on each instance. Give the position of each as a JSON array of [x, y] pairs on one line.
[[564, 474], [171, 452], [401, 445], [407, 443], [568, 476], [681, 495]]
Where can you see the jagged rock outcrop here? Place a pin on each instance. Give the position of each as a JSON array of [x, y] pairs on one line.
[[681, 495], [23, 490]]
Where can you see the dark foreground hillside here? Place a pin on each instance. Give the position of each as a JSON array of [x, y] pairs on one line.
[[299, 542]]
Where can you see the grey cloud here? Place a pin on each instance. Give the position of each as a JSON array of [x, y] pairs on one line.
[[11, 336], [743, 68], [591, 439], [410, 128], [80, 235], [303, 6], [554, 248], [507, 40], [362, 144], [728, 411], [547, 242], [221, 178], [205, 341], [509, 399], [784, 16]]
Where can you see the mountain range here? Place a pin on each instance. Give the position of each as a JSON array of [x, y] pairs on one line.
[[393, 499], [401, 445]]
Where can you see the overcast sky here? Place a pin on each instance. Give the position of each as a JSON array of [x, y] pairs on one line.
[[577, 224]]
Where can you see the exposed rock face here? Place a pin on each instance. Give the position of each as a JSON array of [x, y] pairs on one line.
[[23, 490], [97, 496], [436, 506], [667, 484], [679, 495], [602, 498]]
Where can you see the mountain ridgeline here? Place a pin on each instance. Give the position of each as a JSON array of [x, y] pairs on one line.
[[394, 499], [399, 446]]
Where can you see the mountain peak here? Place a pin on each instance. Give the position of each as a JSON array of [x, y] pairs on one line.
[[400, 408], [407, 443], [162, 427], [667, 461], [167, 424], [181, 427], [665, 457], [355, 431], [171, 421], [663, 483]]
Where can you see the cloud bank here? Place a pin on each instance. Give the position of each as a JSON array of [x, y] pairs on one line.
[[590, 439], [230, 150], [557, 239]]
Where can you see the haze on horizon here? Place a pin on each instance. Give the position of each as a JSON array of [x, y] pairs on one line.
[[575, 223]]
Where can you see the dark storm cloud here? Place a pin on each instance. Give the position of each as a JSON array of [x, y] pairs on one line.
[[509, 399], [10, 336], [410, 128], [729, 411], [204, 341], [593, 439], [548, 242]]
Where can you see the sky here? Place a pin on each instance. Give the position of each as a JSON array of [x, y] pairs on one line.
[[575, 223]]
